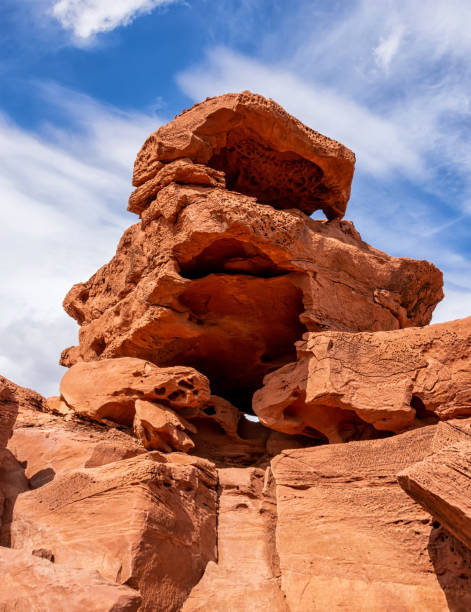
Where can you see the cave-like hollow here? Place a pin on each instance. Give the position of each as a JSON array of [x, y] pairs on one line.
[[281, 179], [247, 310]]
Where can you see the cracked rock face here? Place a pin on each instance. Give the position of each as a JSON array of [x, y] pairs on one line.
[[346, 385]]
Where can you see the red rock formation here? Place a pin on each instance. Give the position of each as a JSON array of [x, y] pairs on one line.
[[348, 537], [211, 292], [261, 149], [343, 385], [148, 522], [207, 287]]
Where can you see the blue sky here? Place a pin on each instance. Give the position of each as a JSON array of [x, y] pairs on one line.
[[83, 82]]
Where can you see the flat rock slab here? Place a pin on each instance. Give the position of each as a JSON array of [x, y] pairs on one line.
[[441, 484]]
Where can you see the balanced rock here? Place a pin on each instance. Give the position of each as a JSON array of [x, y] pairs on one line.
[[344, 384], [108, 389], [260, 149]]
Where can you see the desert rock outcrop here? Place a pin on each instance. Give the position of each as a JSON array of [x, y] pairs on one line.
[[32, 584], [220, 281], [343, 384], [146, 484]]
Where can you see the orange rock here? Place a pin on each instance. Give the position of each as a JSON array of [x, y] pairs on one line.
[[343, 385], [108, 389], [168, 296], [246, 576], [148, 522], [262, 150], [182, 171], [32, 584], [49, 446], [12, 397], [349, 538], [160, 428], [441, 483]]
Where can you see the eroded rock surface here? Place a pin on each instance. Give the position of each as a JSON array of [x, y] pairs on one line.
[[349, 538], [260, 149], [441, 483], [227, 285], [343, 385], [32, 584], [246, 576], [108, 389], [148, 522]]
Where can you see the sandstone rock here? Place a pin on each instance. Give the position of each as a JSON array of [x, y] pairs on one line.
[[12, 397], [262, 150], [344, 384], [108, 389], [226, 437], [246, 575], [227, 285], [31, 584], [180, 171], [349, 538], [441, 483], [49, 446], [148, 522], [160, 428]]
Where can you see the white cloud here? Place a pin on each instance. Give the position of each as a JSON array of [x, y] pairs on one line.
[[388, 47], [87, 18], [64, 196], [456, 305]]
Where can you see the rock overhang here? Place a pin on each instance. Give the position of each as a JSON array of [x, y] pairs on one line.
[[260, 149]]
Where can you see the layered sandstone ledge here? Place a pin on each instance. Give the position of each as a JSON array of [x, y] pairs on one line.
[[143, 485]]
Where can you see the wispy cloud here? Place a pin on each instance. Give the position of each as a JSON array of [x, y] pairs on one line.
[[64, 194], [86, 18], [388, 47]]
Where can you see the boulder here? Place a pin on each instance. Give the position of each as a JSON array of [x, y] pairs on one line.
[[32, 584], [148, 522], [108, 389], [160, 428], [261, 149], [349, 538], [344, 386], [217, 281]]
